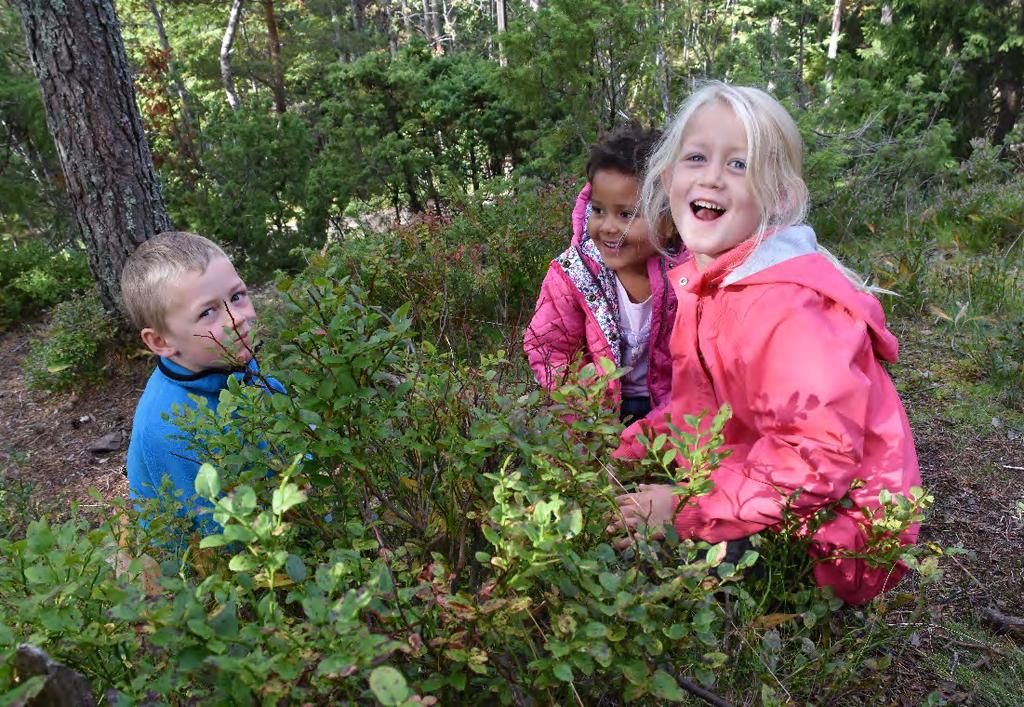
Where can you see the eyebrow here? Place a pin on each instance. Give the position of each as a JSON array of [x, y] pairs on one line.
[[205, 304], [684, 146], [625, 205]]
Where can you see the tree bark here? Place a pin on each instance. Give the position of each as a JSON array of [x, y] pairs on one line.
[[406, 19], [435, 26], [501, 19], [274, 42], [179, 85], [833, 43], [661, 66], [225, 54], [357, 19], [79, 59], [188, 126]]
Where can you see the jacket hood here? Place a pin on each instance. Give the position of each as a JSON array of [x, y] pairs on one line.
[[580, 215], [791, 255]]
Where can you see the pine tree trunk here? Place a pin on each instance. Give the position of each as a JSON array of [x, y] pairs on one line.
[[188, 125], [274, 42], [86, 84]]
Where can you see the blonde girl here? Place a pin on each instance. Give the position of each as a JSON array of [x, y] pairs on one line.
[[771, 324]]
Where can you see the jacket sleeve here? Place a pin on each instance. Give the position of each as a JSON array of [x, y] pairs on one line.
[[579, 212], [804, 368], [557, 332]]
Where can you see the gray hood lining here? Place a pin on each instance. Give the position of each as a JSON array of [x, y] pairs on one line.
[[789, 243]]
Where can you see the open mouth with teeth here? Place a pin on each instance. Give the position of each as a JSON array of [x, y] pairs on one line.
[[706, 210]]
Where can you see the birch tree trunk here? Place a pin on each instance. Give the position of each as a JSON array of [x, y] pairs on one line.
[[500, 17], [225, 54], [79, 59], [661, 66], [833, 43]]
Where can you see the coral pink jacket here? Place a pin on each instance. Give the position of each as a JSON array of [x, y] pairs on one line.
[[575, 315], [778, 333]]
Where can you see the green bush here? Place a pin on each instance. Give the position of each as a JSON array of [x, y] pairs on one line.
[[71, 349], [471, 275], [33, 276], [415, 528], [249, 201]]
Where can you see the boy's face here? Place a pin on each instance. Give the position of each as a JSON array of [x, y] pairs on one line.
[[207, 312], [614, 201]]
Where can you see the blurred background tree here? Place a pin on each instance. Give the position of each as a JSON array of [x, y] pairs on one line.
[[274, 123]]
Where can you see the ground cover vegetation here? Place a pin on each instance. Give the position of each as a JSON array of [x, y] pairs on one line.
[[418, 523]]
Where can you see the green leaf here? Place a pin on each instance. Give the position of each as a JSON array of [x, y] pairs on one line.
[[287, 496], [665, 686], [238, 533], [208, 482], [245, 500], [388, 685], [635, 671], [40, 574], [609, 581], [225, 622], [295, 568], [213, 541], [23, 693], [676, 631], [563, 671], [243, 562], [716, 553]]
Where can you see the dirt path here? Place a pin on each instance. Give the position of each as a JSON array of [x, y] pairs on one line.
[[44, 437]]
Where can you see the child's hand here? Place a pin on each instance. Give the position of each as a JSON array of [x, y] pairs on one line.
[[654, 505]]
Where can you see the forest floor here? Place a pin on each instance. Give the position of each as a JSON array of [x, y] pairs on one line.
[[972, 462]]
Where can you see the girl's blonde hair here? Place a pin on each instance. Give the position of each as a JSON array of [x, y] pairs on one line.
[[774, 160]]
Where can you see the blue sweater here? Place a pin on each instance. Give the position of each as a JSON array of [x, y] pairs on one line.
[[157, 447]]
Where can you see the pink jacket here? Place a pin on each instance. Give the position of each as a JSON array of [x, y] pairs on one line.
[[576, 314], [778, 333]]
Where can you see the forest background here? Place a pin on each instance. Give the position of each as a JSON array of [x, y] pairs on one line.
[[414, 164]]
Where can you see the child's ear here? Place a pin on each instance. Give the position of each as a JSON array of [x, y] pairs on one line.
[[157, 343]]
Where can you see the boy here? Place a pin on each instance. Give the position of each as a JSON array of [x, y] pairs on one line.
[[193, 311]]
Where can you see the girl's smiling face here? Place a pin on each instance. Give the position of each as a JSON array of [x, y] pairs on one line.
[[709, 190], [614, 202]]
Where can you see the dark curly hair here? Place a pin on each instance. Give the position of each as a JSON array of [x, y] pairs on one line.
[[625, 149]]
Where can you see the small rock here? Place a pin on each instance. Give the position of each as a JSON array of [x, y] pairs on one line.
[[107, 443], [996, 422], [79, 421]]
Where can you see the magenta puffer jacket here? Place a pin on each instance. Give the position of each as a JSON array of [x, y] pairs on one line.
[[782, 336], [576, 314]]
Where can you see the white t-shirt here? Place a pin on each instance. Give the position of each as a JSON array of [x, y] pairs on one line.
[[635, 330]]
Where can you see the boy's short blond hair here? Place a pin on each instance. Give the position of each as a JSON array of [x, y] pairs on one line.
[[153, 266]]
